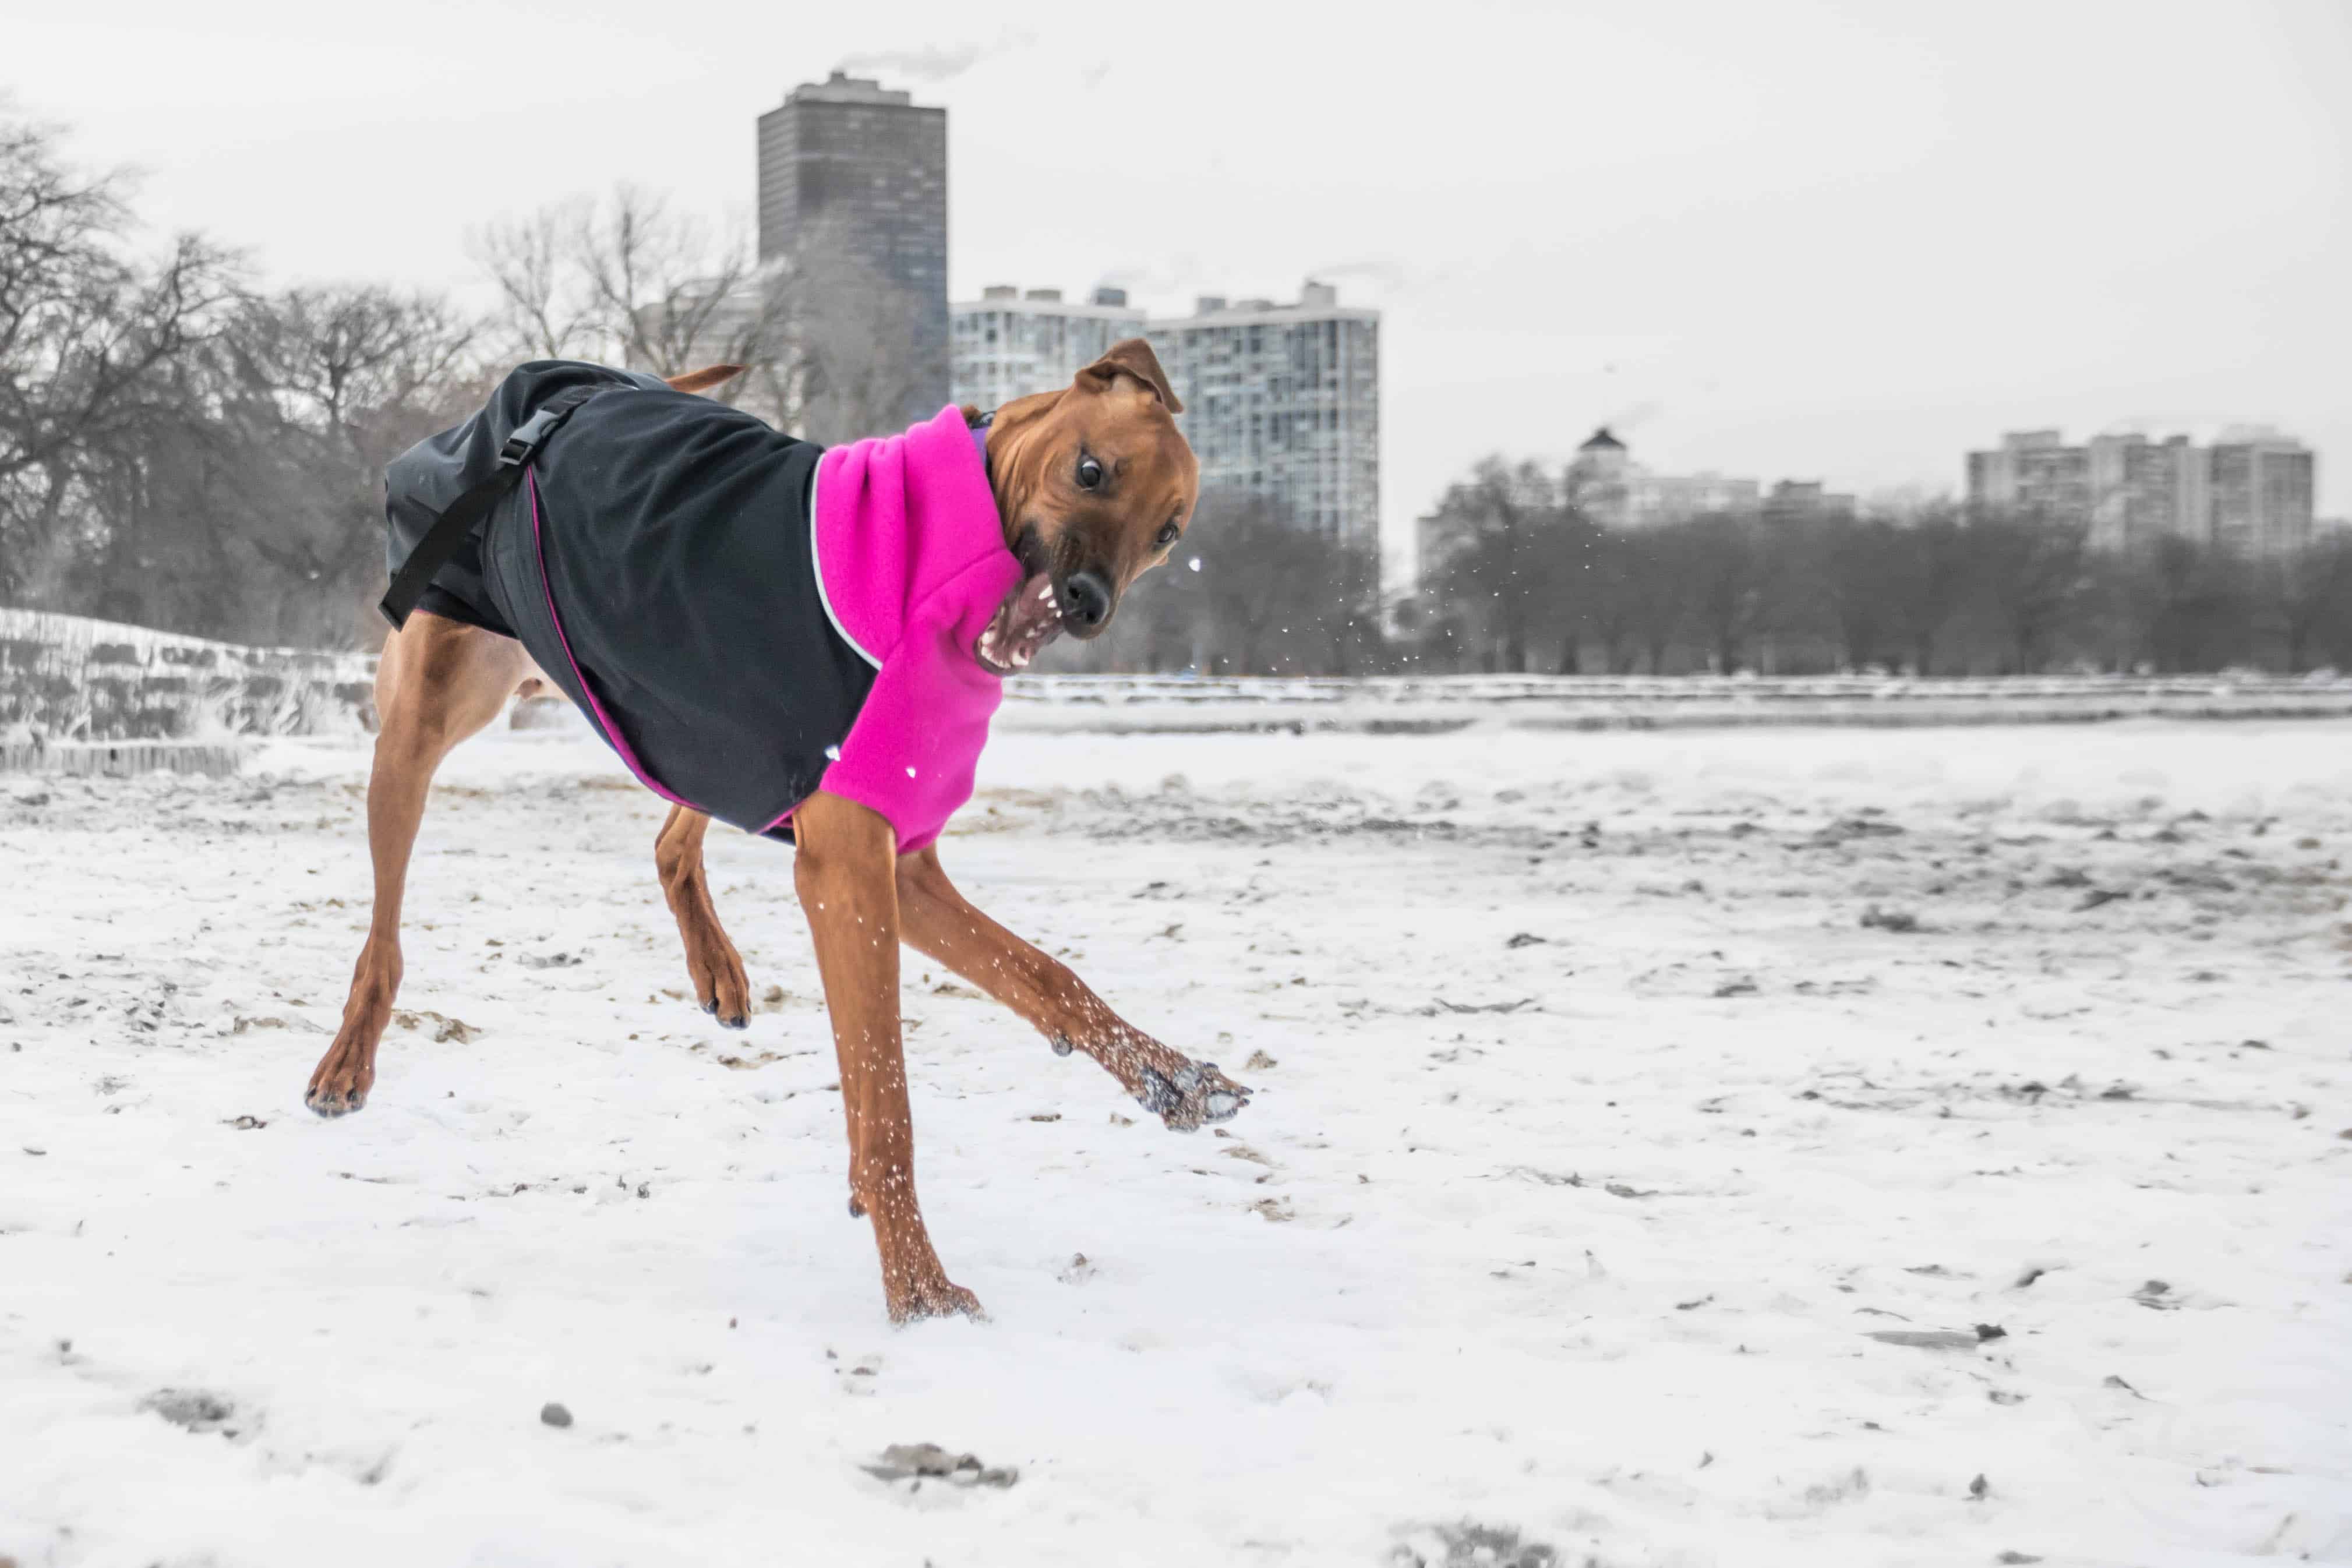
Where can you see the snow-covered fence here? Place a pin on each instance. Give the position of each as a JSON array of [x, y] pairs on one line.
[[86, 696]]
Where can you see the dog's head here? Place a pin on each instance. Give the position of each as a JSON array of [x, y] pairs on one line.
[[1095, 485]]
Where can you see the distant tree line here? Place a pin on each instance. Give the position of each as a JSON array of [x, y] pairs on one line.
[[1523, 582]]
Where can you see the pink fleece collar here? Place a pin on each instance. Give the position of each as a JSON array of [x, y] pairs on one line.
[[895, 516], [912, 564]]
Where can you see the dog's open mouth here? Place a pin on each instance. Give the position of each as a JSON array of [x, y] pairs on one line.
[[1027, 620]]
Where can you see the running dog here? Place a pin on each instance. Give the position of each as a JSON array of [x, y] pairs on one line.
[[806, 643]]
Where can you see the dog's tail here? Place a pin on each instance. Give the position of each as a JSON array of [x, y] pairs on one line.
[[709, 375]]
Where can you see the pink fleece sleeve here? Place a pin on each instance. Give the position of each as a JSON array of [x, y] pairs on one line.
[[915, 749]]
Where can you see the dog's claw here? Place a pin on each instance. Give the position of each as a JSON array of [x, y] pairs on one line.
[[1190, 1095], [1062, 1047], [857, 1209]]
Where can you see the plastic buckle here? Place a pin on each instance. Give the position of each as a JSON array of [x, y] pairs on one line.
[[526, 438]]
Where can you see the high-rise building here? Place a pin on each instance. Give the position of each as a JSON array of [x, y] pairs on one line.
[[864, 169], [1283, 401], [1009, 344], [2261, 493], [2250, 491], [2035, 473], [2141, 491]]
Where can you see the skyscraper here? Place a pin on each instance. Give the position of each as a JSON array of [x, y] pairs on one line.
[[2143, 490], [863, 170], [2035, 473], [2261, 493]]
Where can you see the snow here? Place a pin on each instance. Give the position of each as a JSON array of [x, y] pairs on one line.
[[1601, 1134]]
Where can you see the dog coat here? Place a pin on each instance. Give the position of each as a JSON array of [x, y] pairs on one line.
[[745, 617]]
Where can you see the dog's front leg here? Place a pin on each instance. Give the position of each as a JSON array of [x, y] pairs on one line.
[[844, 872], [942, 924]]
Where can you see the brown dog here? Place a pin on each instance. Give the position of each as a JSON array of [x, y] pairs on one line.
[[1094, 484]]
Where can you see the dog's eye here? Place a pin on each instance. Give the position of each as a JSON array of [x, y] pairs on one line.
[[1168, 532], [1089, 473]]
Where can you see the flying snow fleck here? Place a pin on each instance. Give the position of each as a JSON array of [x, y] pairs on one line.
[[834, 753], [1194, 564]]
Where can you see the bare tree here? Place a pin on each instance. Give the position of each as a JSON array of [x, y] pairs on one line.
[[672, 294], [86, 333], [545, 308], [2313, 598], [1650, 577], [353, 357], [354, 375], [1269, 597], [627, 280], [2030, 577], [1857, 567], [1725, 578], [1511, 564], [1928, 581]]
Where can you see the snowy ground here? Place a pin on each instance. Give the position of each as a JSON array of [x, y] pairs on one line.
[[1615, 1090]]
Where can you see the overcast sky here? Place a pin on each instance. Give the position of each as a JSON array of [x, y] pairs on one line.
[[1769, 237]]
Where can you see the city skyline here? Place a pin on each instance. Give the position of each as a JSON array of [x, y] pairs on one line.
[[2248, 489], [1708, 259]]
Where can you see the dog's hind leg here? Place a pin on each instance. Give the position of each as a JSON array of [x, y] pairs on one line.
[[717, 969], [439, 680]]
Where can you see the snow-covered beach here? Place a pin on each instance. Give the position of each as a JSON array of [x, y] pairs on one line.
[[1619, 1093]]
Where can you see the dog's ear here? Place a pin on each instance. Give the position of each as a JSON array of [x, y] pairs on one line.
[[1133, 356]]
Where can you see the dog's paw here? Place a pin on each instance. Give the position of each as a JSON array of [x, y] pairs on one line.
[[940, 1297], [1190, 1095], [334, 1102], [339, 1084]]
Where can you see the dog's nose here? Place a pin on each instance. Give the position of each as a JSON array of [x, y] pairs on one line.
[[1086, 598]]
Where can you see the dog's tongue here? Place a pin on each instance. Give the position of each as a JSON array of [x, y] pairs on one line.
[[1026, 622]]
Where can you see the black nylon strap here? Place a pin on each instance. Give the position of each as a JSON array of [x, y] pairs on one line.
[[450, 529]]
